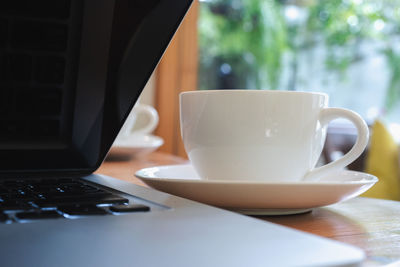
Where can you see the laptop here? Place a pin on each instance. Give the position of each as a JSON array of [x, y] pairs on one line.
[[70, 72]]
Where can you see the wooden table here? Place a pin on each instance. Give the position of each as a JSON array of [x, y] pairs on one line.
[[371, 224]]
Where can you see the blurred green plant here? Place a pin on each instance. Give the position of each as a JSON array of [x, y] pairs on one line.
[[344, 25], [243, 43], [246, 49]]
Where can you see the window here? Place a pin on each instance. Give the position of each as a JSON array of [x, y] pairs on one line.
[[349, 49]]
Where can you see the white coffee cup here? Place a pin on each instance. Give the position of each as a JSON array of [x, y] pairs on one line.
[[262, 135], [129, 128]]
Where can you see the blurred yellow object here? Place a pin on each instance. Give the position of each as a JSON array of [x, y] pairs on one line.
[[383, 162]]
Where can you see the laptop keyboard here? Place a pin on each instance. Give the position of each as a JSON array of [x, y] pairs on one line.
[[30, 200]]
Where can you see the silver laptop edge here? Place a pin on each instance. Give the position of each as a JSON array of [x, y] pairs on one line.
[[185, 234]]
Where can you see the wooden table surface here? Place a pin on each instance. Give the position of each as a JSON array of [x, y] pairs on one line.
[[371, 224]]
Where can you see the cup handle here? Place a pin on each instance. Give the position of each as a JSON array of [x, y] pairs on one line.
[[151, 114], [327, 115]]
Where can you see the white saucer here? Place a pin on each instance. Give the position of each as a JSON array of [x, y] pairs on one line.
[[135, 145], [257, 198]]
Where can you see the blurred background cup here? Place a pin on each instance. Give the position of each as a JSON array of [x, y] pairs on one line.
[[262, 135], [147, 125], [135, 138]]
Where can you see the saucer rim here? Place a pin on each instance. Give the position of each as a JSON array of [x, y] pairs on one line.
[[156, 142], [365, 180]]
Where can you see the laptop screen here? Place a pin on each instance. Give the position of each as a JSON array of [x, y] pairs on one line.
[[70, 72]]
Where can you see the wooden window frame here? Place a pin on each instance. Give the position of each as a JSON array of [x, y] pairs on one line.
[[176, 73]]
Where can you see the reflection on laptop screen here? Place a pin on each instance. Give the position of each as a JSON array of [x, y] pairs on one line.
[[38, 65], [70, 71]]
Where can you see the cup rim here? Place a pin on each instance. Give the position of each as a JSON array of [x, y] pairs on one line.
[[251, 91]]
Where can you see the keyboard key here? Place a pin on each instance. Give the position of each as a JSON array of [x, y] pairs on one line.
[[18, 196], [48, 214], [34, 35], [13, 205], [49, 183], [58, 193], [35, 199], [93, 199], [82, 210], [53, 193], [89, 189], [129, 208], [80, 189], [43, 188]]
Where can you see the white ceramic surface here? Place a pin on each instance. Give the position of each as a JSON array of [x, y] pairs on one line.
[[139, 110], [269, 198], [261, 135], [135, 145]]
